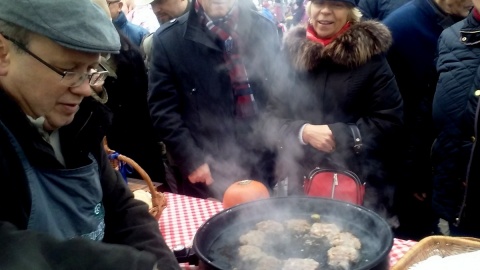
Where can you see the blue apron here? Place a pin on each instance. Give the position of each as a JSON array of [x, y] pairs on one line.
[[65, 203]]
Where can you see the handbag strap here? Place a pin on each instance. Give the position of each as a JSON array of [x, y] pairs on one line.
[[357, 138]]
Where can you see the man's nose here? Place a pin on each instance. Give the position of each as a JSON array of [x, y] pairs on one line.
[[83, 89]]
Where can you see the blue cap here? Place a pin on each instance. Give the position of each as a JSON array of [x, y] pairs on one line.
[[79, 24]]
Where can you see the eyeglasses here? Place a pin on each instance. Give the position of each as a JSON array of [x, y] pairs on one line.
[[113, 2], [69, 78]]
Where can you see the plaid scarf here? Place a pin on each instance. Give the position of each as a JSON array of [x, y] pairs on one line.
[[225, 29]]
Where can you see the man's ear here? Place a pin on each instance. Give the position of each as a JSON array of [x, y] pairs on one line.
[[120, 5], [5, 50]]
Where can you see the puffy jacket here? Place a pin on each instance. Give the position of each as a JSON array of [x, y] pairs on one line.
[[454, 107]]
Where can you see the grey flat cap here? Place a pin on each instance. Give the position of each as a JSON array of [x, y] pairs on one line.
[[77, 24]]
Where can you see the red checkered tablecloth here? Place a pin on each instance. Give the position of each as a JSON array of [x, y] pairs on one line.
[[184, 215], [400, 247]]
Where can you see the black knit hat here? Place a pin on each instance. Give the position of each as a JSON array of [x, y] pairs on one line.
[[351, 2]]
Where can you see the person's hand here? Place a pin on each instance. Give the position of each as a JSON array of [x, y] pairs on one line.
[[320, 137], [201, 175]]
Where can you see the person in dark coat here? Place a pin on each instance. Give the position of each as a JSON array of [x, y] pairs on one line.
[[125, 94], [131, 132], [455, 189], [379, 9], [168, 10], [164, 11], [342, 81], [468, 218], [62, 206], [209, 83], [412, 59]]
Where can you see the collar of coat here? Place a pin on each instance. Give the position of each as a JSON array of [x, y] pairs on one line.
[[470, 31], [354, 48]]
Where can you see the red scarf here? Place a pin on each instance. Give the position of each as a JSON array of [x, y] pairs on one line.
[[312, 35], [476, 14]]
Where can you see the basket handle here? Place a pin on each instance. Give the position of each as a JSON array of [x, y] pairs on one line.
[[158, 199]]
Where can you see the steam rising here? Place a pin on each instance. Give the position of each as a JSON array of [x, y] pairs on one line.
[[278, 104]]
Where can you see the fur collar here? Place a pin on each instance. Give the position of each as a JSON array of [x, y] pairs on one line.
[[353, 48]]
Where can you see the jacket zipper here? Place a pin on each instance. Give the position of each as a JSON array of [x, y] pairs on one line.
[[464, 202]]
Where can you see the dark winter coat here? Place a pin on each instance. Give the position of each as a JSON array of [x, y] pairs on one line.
[[346, 82], [132, 239], [468, 218], [379, 9], [454, 113], [131, 133], [191, 98], [412, 59]]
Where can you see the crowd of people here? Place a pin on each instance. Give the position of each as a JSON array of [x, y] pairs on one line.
[[203, 93]]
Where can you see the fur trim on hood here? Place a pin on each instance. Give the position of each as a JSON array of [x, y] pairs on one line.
[[353, 48]]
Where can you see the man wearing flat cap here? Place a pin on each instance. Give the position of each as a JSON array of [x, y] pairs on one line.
[[62, 206], [209, 82]]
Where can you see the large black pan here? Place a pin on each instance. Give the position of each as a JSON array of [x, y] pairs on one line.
[[216, 241]]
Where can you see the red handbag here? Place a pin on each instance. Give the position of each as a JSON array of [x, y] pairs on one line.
[[341, 185]]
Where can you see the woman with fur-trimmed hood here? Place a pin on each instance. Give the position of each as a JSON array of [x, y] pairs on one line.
[[342, 82]]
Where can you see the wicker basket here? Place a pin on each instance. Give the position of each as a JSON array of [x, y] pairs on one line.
[[436, 245], [159, 202]]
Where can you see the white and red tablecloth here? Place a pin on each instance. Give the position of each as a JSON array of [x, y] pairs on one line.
[[184, 215]]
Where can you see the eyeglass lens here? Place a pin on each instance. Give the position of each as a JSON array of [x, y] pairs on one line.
[[74, 79]]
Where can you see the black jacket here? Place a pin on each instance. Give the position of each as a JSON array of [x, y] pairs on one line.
[[412, 59], [468, 218], [346, 82], [191, 97], [131, 132], [454, 108], [132, 239]]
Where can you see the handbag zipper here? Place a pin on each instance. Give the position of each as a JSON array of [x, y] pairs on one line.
[[334, 184]]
